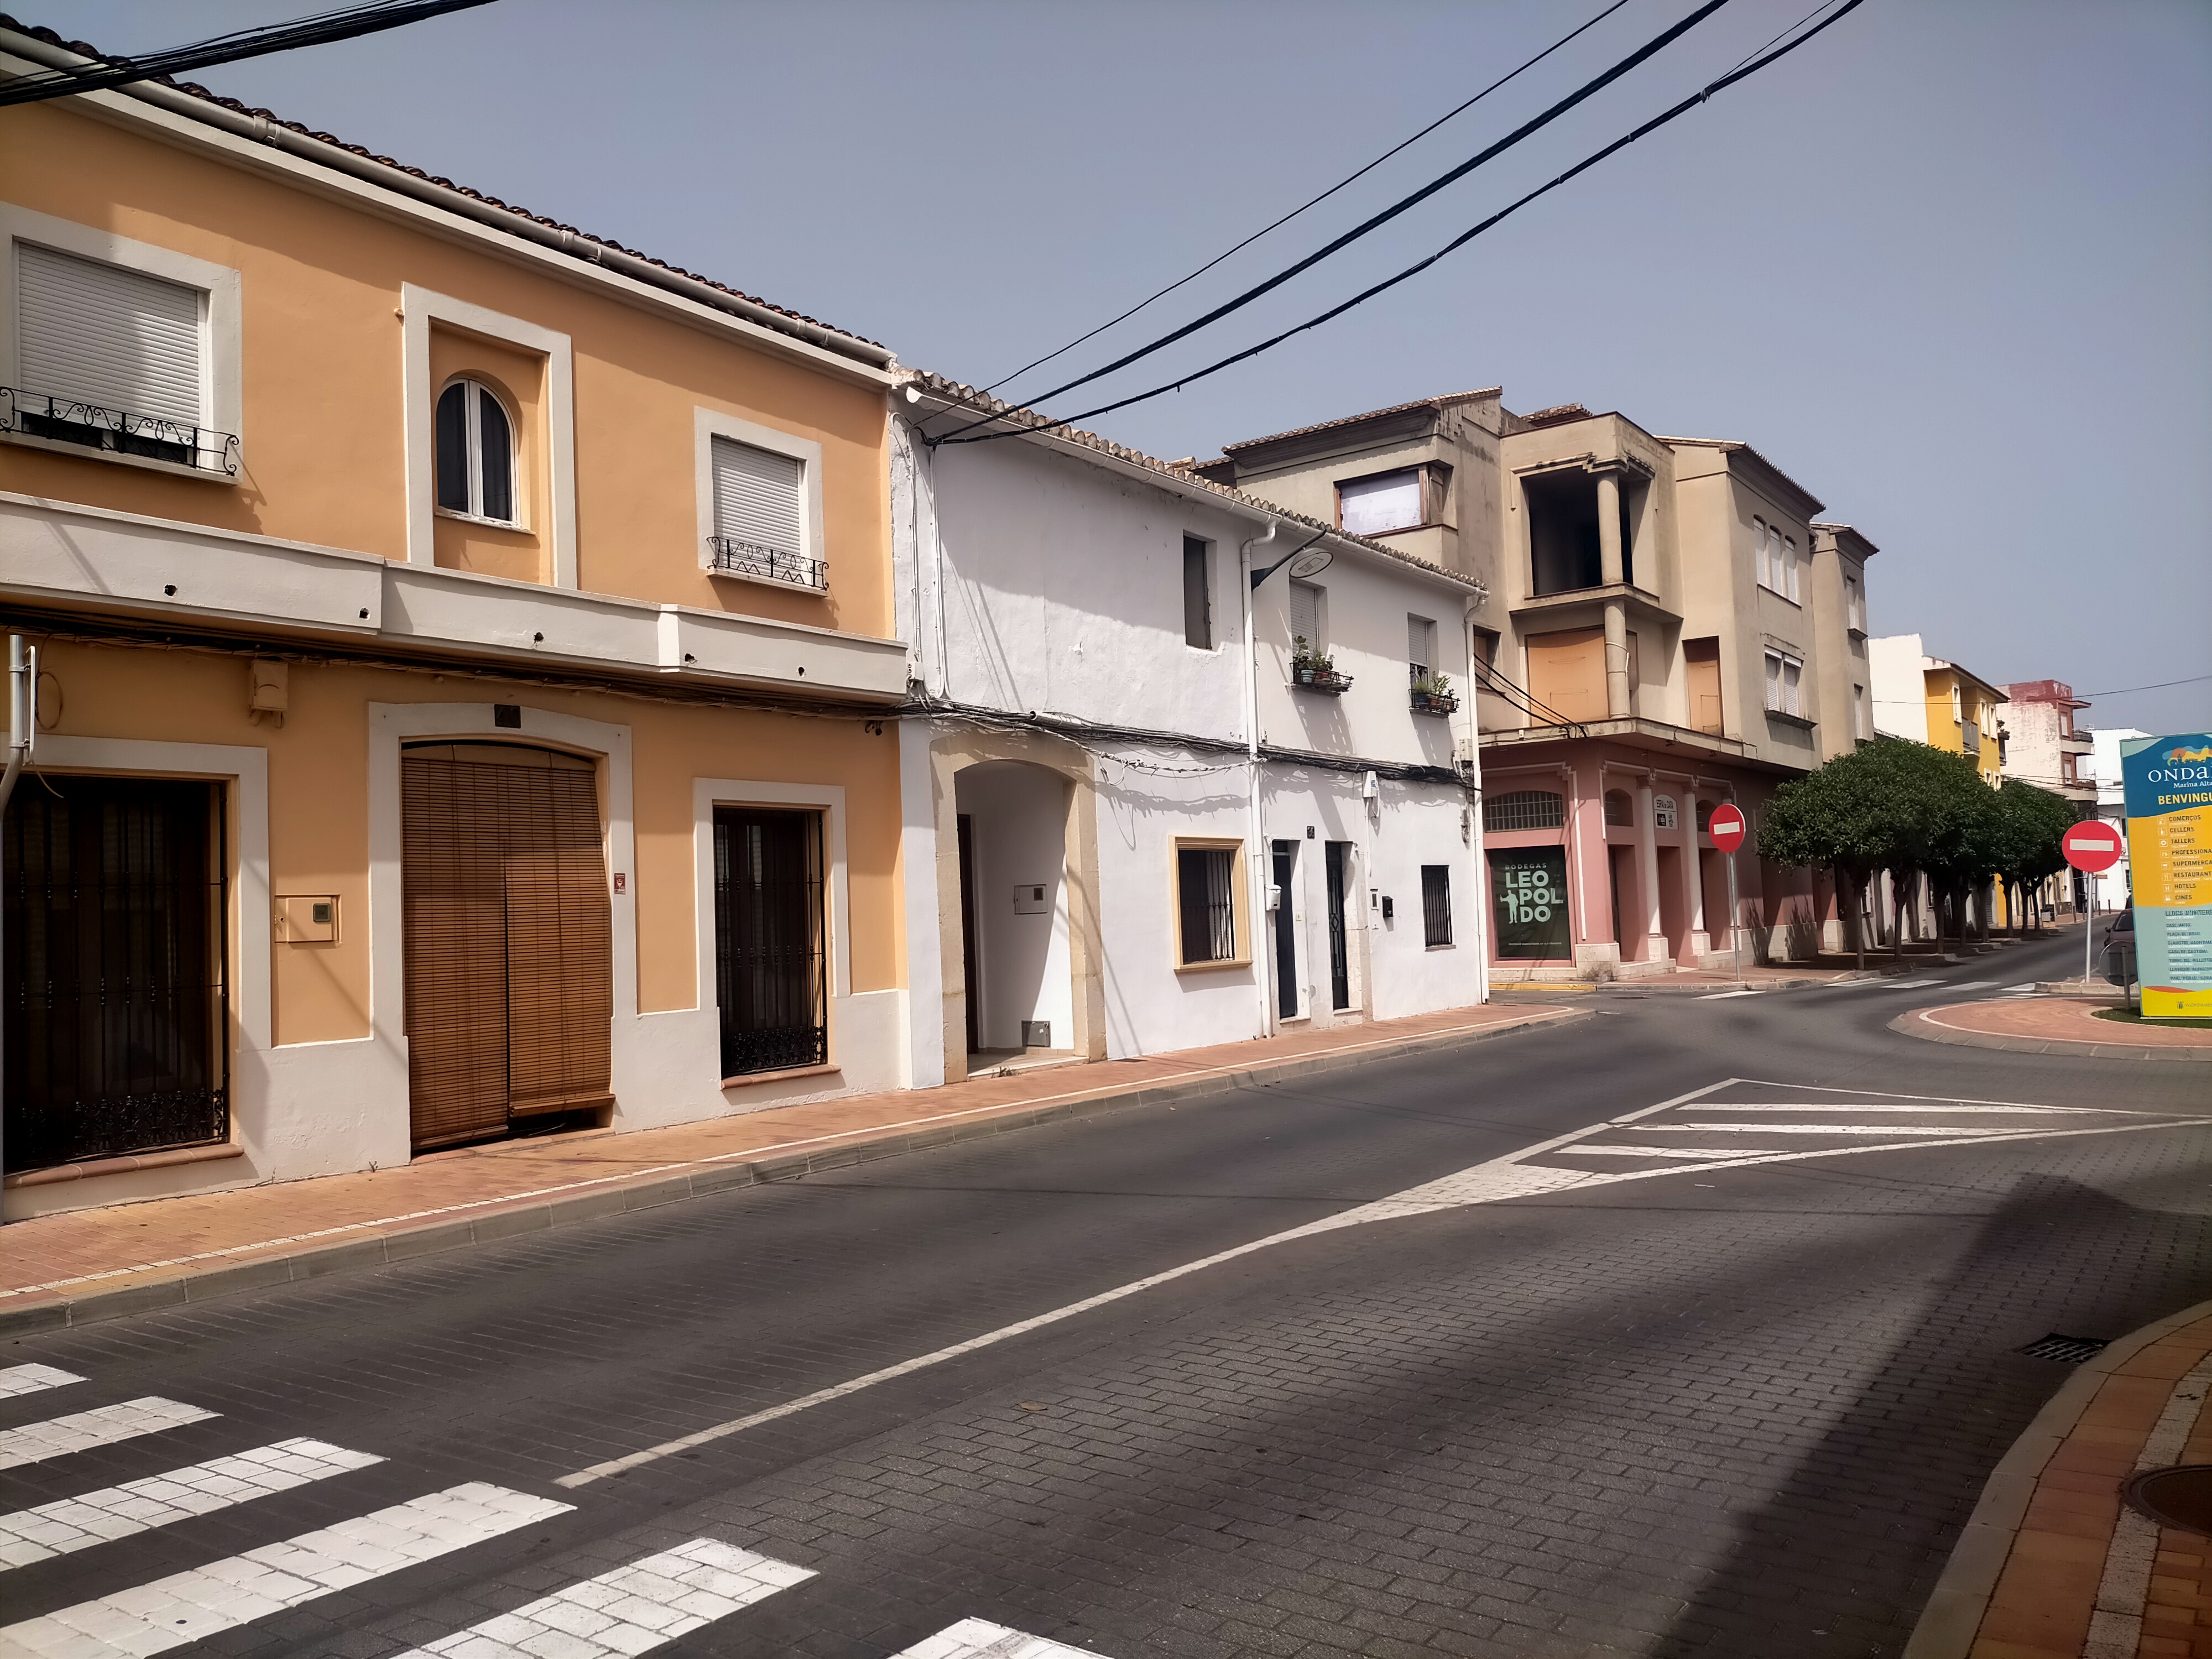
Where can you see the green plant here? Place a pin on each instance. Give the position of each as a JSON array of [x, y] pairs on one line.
[[1304, 659], [1430, 683]]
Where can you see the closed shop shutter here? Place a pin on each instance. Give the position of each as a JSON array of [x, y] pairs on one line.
[[96, 333], [508, 938], [757, 498]]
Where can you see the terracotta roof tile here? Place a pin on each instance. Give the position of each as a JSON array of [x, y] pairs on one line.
[[1448, 401]]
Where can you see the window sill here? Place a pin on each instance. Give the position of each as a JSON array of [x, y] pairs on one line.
[[106, 1166], [1776, 593], [1442, 947], [787, 1072], [1798, 720], [118, 457], [1212, 967], [512, 526]]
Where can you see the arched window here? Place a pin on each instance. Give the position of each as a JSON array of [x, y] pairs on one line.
[[476, 453], [1619, 810]]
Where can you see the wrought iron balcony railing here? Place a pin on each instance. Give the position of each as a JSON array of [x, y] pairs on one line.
[[119, 431], [742, 558]]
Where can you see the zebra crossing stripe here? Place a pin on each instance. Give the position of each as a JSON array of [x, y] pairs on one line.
[[631, 1610], [978, 1638], [190, 1607], [29, 1379], [69, 1524], [56, 1436]]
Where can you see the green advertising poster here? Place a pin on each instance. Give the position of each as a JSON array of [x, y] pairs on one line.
[[1529, 888]]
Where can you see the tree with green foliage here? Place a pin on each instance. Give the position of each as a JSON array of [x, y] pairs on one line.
[[2031, 824], [1890, 805]]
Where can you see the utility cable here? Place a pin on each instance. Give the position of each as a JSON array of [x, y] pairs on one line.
[[316, 30], [1589, 89], [1340, 183], [1658, 121]]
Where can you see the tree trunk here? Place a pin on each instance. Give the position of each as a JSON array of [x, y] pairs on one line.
[[1848, 880]]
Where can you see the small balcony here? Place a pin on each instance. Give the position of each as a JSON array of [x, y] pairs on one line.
[[117, 432], [1318, 674], [729, 557], [1431, 693]]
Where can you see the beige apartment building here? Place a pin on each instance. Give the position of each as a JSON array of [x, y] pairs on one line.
[[1668, 623]]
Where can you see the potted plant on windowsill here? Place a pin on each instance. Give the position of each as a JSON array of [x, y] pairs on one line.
[[1315, 671], [1433, 694]]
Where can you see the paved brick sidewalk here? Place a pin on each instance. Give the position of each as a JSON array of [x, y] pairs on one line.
[[100, 1262], [2053, 1025], [2053, 1565]]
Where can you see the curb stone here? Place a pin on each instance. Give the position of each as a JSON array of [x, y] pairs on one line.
[[1952, 1617], [1912, 1024], [411, 1243]]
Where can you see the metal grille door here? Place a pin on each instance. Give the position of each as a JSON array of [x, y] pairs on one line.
[[117, 1001], [1339, 946], [771, 956]]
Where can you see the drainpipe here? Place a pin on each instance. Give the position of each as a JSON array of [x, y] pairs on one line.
[[22, 725], [1258, 869], [1480, 912]]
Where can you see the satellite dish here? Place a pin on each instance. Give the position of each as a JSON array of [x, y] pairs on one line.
[[1312, 563]]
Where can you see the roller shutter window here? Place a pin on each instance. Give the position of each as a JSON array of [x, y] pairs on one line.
[[91, 332], [509, 928], [1306, 616], [1197, 594], [758, 500], [1377, 506]]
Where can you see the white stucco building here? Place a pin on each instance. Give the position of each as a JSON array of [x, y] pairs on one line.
[[1156, 822]]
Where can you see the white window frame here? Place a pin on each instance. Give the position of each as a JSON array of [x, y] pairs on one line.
[[708, 424], [222, 404], [473, 433], [420, 307], [1240, 901], [1854, 615], [1779, 684]]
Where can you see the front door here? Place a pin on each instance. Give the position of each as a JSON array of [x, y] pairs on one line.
[[971, 983], [1286, 944], [117, 1027], [1339, 944], [508, 938]]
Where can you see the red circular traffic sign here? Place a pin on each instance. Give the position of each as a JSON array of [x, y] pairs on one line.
[[2092, 845], [1727, 827]]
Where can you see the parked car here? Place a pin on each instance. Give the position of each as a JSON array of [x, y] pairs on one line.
[[2118, 953]]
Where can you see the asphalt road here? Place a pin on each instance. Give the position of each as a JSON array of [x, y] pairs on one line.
[[1722, 1380]]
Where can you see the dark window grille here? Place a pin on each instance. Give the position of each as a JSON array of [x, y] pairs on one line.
[[1436, 903], [1206, 881], [116, 944], [770, 944], [1524, 809], [1197, 593], [117, 431], [744, 558]]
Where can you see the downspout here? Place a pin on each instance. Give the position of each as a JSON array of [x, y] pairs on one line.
[[1256, 863], [1471, 777], [22, 726]]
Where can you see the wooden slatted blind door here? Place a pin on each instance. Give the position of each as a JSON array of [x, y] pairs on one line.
[[508, 938], [560, 984]]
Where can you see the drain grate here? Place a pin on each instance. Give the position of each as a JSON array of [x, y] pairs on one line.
[[2067, 1350]]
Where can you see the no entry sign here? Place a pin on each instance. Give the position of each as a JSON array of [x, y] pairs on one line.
[[1728, 828], [2092, 844]]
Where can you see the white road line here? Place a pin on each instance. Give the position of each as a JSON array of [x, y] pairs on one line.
[[1514, 1175], [78, 1523], [2018, 990], [1966, 984], [1955, 1130], [1720, 996], [631, 1610], [978, 1638], [1606, 1149], [1904, 984], [1927, 1111], [190, 1607], [34, 1443], [29, 1379]]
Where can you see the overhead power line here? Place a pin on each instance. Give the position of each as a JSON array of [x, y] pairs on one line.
[[1349, 179], [1361, 298], [1589, 89], [2194, 679], [318, 29]]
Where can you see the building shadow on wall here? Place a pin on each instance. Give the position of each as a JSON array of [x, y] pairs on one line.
[[1848, 1548]]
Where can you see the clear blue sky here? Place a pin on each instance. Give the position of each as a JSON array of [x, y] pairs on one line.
[[1950, 266]]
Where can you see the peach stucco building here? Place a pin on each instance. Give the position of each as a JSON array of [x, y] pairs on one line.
[[463, 649]]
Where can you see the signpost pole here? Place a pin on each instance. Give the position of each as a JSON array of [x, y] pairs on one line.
[[1736, 922], [2089, 929]]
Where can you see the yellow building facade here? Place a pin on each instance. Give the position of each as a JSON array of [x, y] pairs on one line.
[[463, 650]]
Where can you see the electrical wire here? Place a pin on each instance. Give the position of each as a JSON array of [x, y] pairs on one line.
[[2194, 679], [1658, 121], [1316, 202], [318, 29], [1589, 89]]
